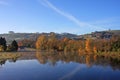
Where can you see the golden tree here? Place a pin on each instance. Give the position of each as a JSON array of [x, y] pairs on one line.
[[94, 49], [87, 45], [41, 42]]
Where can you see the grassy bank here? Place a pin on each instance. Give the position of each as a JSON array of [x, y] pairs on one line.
[[7, 55]]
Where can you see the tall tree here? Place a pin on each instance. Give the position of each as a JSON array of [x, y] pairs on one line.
[[87, 45], [14, 46], [3, 44], [41, 41]]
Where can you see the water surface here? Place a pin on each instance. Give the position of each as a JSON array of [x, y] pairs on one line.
[[59, 66]]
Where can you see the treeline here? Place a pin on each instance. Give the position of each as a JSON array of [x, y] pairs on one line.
[[30, 43], [51, 43], [4, 47]]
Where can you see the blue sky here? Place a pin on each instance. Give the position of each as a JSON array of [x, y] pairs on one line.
[[73, 16]]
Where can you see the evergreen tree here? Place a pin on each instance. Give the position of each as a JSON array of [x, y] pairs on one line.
[[14, 46], [3, 44]]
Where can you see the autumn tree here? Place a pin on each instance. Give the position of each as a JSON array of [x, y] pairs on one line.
[[60, 45], [81, 46], [52, 41], [1, 48], [94, 49], [27, 43], [115, 43], [41, 42], [88, 45]]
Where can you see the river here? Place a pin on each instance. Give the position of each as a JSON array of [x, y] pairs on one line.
[[58, 66]]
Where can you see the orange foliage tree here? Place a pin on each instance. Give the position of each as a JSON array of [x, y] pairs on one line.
[[87, 45], [41, 41]]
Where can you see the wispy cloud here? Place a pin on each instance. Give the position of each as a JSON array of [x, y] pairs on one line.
[[69, 16], [3, 2]]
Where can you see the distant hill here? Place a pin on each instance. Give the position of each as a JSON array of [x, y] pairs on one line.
[[102, 34], [20, 36], [94, 35], [116, 32]]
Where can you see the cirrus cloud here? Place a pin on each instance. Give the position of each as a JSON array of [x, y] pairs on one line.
[[69, 16]]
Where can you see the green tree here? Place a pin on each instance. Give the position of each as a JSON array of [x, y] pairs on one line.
[[13, 46], [3, 44]]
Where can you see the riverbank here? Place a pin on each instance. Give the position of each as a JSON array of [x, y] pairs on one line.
[[7, 55]]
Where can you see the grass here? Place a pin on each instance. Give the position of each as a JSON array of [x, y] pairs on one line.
[[7, 55]]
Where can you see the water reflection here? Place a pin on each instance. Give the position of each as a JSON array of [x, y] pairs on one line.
[[89, 60], [53, 58], [8, 56], [2, 62]]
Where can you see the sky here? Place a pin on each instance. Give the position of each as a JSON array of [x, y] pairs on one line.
[[72, 16]]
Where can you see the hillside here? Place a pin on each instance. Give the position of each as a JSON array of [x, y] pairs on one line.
[[20, 36], [94, 35], [117, 32], [101, 34]]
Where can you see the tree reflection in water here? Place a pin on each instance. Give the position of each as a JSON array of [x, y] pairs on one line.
[[11, 57], [89, 60], [2, 62], [53, 58]]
